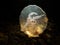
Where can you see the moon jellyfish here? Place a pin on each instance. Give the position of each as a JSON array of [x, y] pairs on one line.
[[33, 20]]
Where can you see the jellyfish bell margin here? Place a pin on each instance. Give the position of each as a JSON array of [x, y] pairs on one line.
[[33, 21]]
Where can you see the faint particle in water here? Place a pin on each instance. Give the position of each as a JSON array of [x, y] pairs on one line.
[[49, 36], [33, 20]]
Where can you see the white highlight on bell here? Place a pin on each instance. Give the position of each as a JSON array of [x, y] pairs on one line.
[[33, 18], [32, 13], [37, 17]]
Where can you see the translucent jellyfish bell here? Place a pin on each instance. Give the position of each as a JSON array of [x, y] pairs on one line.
[[33, 20]]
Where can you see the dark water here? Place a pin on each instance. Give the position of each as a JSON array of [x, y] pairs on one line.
[[9, 24]]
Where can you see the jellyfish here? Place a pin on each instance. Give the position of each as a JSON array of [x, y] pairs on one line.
[[33, 20]]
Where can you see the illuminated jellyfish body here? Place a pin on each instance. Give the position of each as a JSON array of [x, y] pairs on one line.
[[33, 21]]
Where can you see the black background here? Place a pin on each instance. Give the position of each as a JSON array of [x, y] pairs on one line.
[[9, 17]]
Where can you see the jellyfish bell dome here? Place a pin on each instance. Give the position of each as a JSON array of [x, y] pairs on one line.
[[33, 20]]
